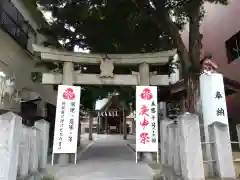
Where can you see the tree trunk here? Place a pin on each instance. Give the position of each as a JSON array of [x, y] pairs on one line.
[[195, 46], [191, 61], [192, 93]]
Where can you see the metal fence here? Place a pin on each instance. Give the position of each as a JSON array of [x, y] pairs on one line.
[[211, 162]]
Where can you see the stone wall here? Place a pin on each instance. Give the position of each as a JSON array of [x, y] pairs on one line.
[[182, 148], [23, 150]]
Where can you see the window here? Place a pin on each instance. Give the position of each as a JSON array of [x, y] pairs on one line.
[[233, 47], [10, 9], [13, 22]]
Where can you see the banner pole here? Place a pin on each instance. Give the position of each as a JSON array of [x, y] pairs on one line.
[[136, 154], [157, 157], [52, 158], [75, 158]]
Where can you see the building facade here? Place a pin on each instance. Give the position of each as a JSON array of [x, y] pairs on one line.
[[19, 23]]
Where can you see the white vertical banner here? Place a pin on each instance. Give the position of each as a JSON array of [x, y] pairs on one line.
[[146, 119], [67, 119], [213, 98]]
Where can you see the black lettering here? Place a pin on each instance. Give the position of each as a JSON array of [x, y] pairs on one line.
[[218, 95], [220, 112]]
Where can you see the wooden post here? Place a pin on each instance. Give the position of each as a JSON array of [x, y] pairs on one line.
[[98, 124], [182, 104], [120, 124], [90, 118], [106, 124], [124, 126]]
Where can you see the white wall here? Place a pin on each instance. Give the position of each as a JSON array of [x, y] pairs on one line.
[[17, 62]]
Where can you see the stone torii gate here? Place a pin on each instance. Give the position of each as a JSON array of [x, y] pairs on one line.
[[68, 77], [106, 77]]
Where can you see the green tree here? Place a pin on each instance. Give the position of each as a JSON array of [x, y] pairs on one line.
[[109, 26], [132, 26]]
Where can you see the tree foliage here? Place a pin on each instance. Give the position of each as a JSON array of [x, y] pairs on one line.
[[129, 26], [109, 26]]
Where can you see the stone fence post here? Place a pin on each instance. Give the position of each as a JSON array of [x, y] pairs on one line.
[[171, 149], [43, 126], [163, 141], [10, 133], [34, 150], [176, 148], [170, 144], [24, 152], [190, 147], [222, 151]]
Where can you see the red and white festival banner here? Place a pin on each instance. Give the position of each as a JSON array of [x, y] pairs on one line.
[[146, 119], [67, 119]]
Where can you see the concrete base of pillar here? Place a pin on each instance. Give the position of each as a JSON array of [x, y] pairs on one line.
[[145, 156], [148, 157], [63, 159]]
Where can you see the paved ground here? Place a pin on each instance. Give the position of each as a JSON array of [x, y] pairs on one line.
[[108, 158]]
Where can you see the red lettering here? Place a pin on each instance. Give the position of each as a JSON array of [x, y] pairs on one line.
[[144, 110], [144, 123], [144, 138]]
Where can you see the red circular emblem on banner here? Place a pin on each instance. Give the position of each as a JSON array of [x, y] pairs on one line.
[[69, 94], [146, 94]]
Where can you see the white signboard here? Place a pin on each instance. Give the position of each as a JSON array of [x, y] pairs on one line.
[[146, 119], [213, 99], [67, 119]]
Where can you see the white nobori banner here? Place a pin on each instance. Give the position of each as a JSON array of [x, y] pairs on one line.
[[67, 119], [146, 119]]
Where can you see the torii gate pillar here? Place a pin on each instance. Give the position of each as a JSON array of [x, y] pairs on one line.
[[67, 79], [68, 73], [144, 80], [144, 74]]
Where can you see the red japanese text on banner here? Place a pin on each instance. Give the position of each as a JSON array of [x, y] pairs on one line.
[[146, 119]]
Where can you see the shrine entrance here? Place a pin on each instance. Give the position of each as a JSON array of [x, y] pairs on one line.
[[110, 124], [111, 119], [149, 69]]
